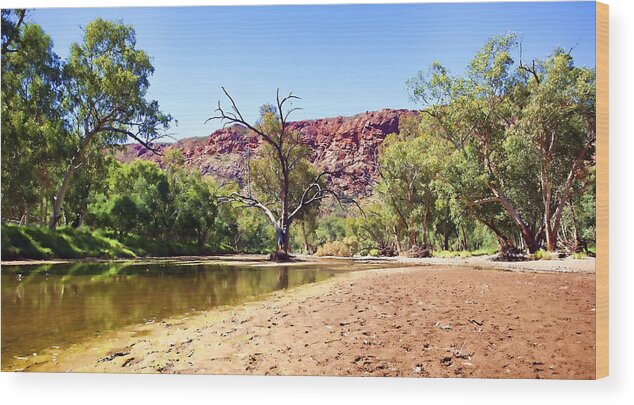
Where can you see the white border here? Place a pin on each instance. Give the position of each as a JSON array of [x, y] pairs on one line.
[[618, 388]]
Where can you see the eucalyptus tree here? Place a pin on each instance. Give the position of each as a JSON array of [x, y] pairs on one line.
[[12, 23], [283, 182], [193, 204], [407, 172], [379, 227], [33, 131], [106, 82], [558, 124], [306, 221], [517, 136]]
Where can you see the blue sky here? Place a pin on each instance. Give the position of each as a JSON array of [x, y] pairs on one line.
[[340, 59]]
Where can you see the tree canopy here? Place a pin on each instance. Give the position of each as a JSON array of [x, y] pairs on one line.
[[518, 137], [500, 157], [106, 81]]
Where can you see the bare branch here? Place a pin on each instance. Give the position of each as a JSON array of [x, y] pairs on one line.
[[483, 201], [322, 192], [530, 70], [146, 144], [249, 202], [237, 118], [15, 34]]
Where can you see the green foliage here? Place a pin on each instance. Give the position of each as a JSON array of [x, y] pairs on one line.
[[330, 228], [464, 253], [502, 155], [409, 169], [12, 22], [22, 242], [106, 81], [335, 248], [144, 199], [543, 255], [374, 230], [511, 137], [41, 243], [254, 233], [123, 213], [194, 205], [33, 131], [374, 252]]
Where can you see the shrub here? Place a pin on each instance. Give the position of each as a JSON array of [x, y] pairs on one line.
[[335, 248], [352, 243], [464, 253], [543, 255]]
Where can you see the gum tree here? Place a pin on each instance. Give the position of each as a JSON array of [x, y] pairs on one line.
[[106, 81], [33, 131], [12, 23], [407, 172], [518, 136], [558, 126], [283, 183]]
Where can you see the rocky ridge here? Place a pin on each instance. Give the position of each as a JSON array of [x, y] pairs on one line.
[[334, 141]]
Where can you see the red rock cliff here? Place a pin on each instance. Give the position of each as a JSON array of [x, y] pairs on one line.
[[334, 141]]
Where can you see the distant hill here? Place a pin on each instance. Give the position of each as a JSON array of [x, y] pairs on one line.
[[334, 141]]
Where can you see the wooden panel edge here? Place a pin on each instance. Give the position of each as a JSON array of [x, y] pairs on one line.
[[603, 181]]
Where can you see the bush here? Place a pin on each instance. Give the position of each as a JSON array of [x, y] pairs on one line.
[[335, 248], [348, 247], [352, 243], [544, 255], [464, 253], [579, 256]]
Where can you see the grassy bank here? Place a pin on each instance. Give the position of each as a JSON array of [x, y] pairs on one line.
[[23, 242], [464, 253]]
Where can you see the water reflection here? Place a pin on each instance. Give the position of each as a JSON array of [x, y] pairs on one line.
[[56, 305]]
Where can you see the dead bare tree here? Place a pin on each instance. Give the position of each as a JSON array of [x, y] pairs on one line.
[[285, 145]]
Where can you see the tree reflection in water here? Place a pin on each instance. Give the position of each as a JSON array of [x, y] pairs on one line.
[[57, 305]]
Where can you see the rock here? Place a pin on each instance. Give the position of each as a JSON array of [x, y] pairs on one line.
[[333, 141], [112, 356]]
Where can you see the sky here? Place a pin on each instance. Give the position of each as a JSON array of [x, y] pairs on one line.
[[340, 59]]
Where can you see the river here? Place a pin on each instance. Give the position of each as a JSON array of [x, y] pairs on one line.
[[52, 306]]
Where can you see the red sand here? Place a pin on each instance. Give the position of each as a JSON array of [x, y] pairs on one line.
[[424, 321]]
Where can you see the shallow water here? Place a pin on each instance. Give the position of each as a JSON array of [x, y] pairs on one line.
[[51, 306]]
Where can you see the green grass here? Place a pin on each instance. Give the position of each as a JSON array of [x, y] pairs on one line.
[[463, 253], [544, 255], [144, 246], [25, 242]]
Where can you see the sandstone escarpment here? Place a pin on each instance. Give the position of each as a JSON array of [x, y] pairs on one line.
[[334, 142]]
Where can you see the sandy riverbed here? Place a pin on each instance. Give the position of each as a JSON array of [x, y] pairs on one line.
[[433, 321]]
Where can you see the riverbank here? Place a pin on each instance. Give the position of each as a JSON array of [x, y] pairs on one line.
[[435, 321], [565, 265], [20, 243]]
